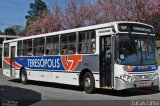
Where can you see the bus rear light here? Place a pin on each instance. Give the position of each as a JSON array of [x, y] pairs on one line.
[[128, 68]]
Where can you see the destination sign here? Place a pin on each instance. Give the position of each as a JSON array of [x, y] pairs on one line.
[[133, 27]]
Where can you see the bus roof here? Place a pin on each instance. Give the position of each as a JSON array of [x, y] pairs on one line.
[[99, 26], [9, 36]]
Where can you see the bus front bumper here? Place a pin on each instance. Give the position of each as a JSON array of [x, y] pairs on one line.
[[120, 84]]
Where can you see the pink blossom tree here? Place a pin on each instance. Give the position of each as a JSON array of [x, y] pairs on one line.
[[40, 25], [131, 10], [44, 23], [147, 11], [75, 13], [79, 13]]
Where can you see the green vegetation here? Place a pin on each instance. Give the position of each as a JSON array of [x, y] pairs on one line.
[[35, 9]]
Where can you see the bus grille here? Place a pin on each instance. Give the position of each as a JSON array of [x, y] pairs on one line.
[[142, 77]]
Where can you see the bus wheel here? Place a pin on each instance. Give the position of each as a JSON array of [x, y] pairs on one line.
[[23, 76], [89, 83]]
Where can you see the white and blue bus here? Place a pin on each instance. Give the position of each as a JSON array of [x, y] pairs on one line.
[[115, 55]]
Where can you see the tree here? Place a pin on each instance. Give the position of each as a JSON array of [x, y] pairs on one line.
[[9, 31], [1, 33], [96, 16], [79, 13], [128, 10], [45, 23], [18, 29], [147, 11], [76, 13], [37, 8]]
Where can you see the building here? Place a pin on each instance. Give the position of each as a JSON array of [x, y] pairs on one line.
[[2, 38]]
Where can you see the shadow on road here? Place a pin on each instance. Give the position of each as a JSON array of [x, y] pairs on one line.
[[49, 84], [127, 92], [121, 93], [11, 95]]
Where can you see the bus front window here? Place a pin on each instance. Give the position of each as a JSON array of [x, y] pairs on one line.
[[134, 49]]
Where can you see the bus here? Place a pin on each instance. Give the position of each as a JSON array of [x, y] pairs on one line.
[[115, 55], [2, 38]]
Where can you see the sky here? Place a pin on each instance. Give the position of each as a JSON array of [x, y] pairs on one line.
[[13, 12]]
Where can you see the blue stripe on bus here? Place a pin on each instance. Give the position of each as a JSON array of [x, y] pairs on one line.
[[39, 62], [62, 63], [145, 68]]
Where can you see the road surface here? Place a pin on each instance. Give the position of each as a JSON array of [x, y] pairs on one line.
[[12, 92]]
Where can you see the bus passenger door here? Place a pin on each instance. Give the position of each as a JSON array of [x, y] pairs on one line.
[[105, 61], [13, 47]]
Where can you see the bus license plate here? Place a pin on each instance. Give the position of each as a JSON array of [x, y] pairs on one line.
[[143, 84]]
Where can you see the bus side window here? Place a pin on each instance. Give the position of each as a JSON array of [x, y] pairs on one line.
[[48, 52], [68, 43], [52, 45], [19, 48], [86, 43], [6, 49], [93, 46], [29, 53], [38, 49], [27, 45]]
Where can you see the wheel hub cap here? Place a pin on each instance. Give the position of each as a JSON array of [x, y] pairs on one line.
[[87, 82]]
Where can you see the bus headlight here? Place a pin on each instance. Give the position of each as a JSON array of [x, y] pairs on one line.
[[155, 76], [126, 78]]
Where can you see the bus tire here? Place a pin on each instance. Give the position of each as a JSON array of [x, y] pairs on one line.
[[89, 83], [23, 76]]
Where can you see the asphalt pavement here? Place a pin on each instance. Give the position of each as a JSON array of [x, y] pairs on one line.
[[13, 93]]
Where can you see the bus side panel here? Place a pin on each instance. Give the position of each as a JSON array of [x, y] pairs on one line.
[[53, 68], [17, 73], [66, 63], [57, 77], [66, 78], [6, 69], [97, 81], [90, 62], [34, 75]]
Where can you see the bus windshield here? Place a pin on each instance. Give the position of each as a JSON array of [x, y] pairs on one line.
[[135, 49]]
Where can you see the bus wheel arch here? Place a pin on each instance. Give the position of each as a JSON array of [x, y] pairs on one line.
[[87, 81], [23, 75]]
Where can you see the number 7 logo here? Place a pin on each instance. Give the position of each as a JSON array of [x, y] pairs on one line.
[[70, 62]]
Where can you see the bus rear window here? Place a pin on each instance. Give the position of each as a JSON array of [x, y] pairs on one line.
[[6, 50]]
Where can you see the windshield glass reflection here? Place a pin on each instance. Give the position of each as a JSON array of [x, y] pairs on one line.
[[134, 49]]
